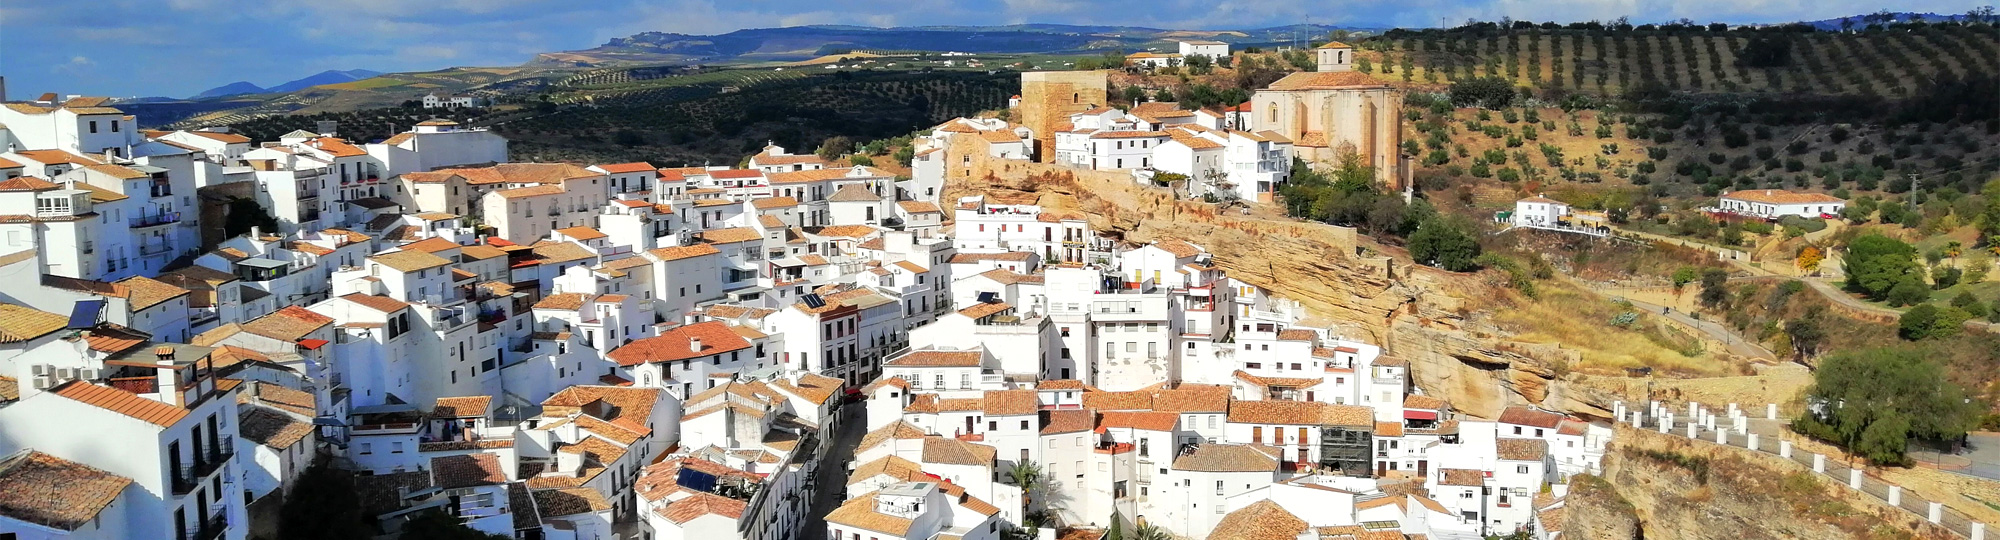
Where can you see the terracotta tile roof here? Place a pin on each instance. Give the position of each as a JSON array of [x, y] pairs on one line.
[[1070, 421], [922, 403], [1277, 412], [1059, 384], [982, 310], [1118, 401], [147, 292], [1010, 402], [563, 301], [949, 451], [1779, 196], [919, 207], [1461, 477], [561, 252], [1524, 416], [1521, 449], [289, 323], [811, 387], [678, 344], [683, 252], [378, 303], [974, 258], [53, 492], [25, 183], [848, 231], [1388, 429], [1261, 520], [554, 503], [1226, 458], [10, 389], [271, 428], [631, 407], [1572, 426], [531, 191], [89, 286], [1211, 399], [1128, 134], [897, 382], [410, 260], [1153, 421], [297, 402], [702, 504], [1391, 361], [462, 407], [229, 138], [960, 404], [860, 512], [1361, 416], [1266, 382], [937, 358], [623, 168], [768, 203], [730, 236], [583, 233], [899, 430], [660, 480], [810, 176], [480, 469], [853, 193], [122, 402], [52, 157], [1309, 80], [769, 158], [21, 323], [1419, 401]]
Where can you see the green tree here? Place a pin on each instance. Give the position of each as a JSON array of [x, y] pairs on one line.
[[1989, 218], [323, 505], [1445, 242], [1874, 401], [1715, 288], [836, 146], [1027, 476], [1908, 292], [1918, 322], [1971, 304], [1683, 276], [1163, 95], [1807, 334], [1117, 531], [1134, 94], [1489, 92], [1876, 264]]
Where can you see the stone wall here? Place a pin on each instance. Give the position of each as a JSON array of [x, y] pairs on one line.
[[1049, 97]]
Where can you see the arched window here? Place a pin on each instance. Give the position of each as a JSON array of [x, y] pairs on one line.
[[1272, 113], [1340, 57], [1076, 98]]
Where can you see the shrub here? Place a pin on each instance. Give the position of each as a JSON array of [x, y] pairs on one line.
[[1873, 401], [1447, 243]]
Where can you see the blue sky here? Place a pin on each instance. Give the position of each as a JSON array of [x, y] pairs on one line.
[[180, 47]]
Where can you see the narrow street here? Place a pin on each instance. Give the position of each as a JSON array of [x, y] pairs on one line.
[[832, 473]]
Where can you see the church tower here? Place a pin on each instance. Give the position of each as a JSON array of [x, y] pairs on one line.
[[1334, 56]]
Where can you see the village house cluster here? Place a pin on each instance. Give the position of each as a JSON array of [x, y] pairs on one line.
[[616, 350]]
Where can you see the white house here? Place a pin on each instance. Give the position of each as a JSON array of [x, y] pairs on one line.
[[1777, 203], [1208, 48]]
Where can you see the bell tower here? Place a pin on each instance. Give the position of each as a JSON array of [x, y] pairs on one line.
[[1334, 56]]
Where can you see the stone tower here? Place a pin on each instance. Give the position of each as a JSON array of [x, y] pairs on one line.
[[1049, 97], [1334, 56]]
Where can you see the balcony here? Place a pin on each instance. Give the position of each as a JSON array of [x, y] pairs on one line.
[[154, 220], [62, 212], [210, 528], [154, 249], [161, 190]]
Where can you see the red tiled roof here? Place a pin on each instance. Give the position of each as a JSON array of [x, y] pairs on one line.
[[678, 344]]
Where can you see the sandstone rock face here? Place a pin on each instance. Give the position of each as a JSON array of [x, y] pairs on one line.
[[1418, 313], [1682, 490]]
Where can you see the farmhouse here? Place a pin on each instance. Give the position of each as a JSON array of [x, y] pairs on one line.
[[1777, 203]]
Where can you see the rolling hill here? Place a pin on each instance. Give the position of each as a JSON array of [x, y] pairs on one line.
[[802, 42]]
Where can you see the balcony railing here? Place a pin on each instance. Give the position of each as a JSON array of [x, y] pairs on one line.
[[155, 220], [210, 528], [155, 249], [62, 212]]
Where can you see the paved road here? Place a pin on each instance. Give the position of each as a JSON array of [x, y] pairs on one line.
[[832, 473], [1737, 345]]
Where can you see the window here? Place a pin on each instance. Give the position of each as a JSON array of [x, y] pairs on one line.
[[1517, 430], [1256, 436], [1522, 469], [367, 448], [1218, 487]]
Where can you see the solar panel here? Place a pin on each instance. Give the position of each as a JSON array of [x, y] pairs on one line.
[[695, 480], [813, 301], [989, 297], [83, 314]]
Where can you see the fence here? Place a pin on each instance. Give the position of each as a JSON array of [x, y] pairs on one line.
[[1733, 428]]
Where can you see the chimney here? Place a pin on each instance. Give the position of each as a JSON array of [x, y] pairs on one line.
[[694, 344], [167, 378], [569, 463], [256, 232]]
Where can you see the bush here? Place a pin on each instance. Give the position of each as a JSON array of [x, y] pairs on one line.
[[1490, 93], [1876, 264]]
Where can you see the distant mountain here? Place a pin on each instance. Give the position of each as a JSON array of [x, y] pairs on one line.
[[802, 42], [1863, 20], [231, 89], [324, 77]]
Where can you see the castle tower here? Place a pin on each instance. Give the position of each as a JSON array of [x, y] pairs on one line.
[[1049, 97], [1334, 56]]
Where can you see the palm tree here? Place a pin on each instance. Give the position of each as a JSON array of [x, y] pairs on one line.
[[1028, 476], [1148, 531]]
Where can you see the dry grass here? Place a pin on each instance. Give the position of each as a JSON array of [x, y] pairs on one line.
[[1580, 320]]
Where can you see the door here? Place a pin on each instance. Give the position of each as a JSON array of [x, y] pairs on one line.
[[1423, 468], [1381, 468], [968, 425]]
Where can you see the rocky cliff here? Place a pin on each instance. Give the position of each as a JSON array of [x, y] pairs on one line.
[[1674, 489], [1370, 291]]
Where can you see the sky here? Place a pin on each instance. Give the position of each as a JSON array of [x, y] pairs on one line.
[[126, 48]]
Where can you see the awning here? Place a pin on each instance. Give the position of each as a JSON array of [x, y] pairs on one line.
[[312, 344], [1420, 415]]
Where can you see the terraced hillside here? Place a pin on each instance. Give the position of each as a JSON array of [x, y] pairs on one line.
[[697, 123], [1888, 63]]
